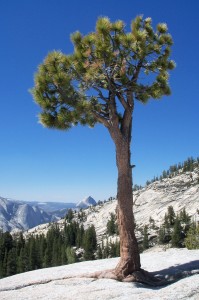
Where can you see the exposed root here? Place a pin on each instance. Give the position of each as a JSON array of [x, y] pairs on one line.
[[140, 276], [106, 274], [143, 276]]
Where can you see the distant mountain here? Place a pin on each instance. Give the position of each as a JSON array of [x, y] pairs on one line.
[[180, 191], [22, 215], [56, 209], [86, 202], [53, 206]]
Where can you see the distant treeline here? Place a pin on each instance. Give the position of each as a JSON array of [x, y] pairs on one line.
[[57, 248], [187, 166], [74, 243], [177, 230]]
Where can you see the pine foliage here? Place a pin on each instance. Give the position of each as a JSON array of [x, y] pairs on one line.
[[192, 238], [112, 227], [75, 89]]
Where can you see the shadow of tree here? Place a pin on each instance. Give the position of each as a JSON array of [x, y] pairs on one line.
[[175, 273], [178, 268]]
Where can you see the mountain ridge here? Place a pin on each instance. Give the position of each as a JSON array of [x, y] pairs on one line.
[[23, 215], [86, 202], [180, 189], [152, 201]]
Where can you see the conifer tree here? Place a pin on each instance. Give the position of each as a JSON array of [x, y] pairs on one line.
[[111, 225], [22, 261], [4, 264], [192, 238], [109, 70], [90, 243], [176, 234], [106, 249], [164, 174], [80, 235], [171, 215], [145, 243], [47, 258], [69, 215], [71, 255], [184, 217], [20, 243], [33, 258], [55, 253], [161, 235], [167, 225], [11, 262], [152, 223], [63, 255], [99, 252]]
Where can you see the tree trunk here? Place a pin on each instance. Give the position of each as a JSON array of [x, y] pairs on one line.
[[129, 253]]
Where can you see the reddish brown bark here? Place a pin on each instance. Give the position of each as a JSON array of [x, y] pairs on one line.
[[128, 268], [129, 254], [120, 132]]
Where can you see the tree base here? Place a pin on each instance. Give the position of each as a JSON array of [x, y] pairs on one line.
[[140, 276]]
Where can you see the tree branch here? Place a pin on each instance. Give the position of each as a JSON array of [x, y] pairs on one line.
[[126, 123], [100, 94], [113, 115], [101, 119], [122, 100], [137, 70]]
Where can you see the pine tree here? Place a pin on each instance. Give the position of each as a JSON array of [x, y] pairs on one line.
[[161, 235], [4, 264], [11, 262], [145, 243], [109, 70], [106, 250], [176, 235], [184, 217], [192, 238], [111, 225], [55, 253], [22, 261], [171, 215], [99, 252], [90, 243], [70, 215], [152, 223], [20, 243], [32, 254], [71, 255], [42, 249], [164, 174], [63, 255], [80, 236], [166, 223], [47, 261], [7, 242]]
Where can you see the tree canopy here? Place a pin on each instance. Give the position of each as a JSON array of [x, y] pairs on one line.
[[76, 88]]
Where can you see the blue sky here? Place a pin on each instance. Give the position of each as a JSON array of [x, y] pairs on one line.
[[48, 165]]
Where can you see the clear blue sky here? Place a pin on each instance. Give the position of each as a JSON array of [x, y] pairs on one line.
[[48, 165]]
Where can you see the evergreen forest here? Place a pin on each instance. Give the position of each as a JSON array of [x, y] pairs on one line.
[[74, 243]]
